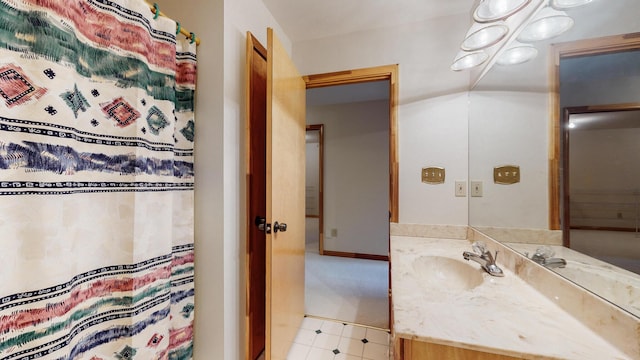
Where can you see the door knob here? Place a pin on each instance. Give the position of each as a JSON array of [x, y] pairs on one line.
[[279, 227], [262, 225]]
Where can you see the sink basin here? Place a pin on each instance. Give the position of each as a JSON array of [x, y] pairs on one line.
[[444, 274]]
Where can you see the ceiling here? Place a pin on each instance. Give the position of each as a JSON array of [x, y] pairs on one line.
[[314, 19]]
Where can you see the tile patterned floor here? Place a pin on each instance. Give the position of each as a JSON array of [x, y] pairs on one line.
[[320, 339]]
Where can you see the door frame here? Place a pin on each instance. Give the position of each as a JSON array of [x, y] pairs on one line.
[[386, 72]]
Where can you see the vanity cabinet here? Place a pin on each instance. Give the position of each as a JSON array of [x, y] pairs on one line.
[[419, 350]]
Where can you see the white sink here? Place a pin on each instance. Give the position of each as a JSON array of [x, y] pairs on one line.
[[444, 274]]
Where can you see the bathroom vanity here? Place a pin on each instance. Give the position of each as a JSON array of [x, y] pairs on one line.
[[447, 307]]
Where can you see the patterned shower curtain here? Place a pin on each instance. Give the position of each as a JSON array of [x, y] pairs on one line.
[[96, 182]]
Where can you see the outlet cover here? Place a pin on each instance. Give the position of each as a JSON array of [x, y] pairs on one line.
[[461, 188], [476, 188]]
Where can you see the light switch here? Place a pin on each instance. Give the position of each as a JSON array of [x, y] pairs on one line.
[[476, 188], [461, 188]]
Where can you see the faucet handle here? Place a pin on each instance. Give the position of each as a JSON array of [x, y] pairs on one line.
[[544, 252], [479, 247]]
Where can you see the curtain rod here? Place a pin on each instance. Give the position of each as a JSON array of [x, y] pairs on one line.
[[154, 8]]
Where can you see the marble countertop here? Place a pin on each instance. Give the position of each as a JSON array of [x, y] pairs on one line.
[[503, 315], [612, 283]]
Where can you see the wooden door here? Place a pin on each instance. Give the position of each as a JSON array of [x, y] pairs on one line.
[[256, 161], [285, 199]]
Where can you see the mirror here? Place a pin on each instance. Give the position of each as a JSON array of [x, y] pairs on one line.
[[510, 114]]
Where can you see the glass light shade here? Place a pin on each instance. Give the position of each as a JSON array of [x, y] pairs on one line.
[[482, 36], [547, 24], [566, 4], [493, 10], [467, 60], [517, 53]]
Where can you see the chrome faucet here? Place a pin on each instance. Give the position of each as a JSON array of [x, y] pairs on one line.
[[544, 257], [484, 258]]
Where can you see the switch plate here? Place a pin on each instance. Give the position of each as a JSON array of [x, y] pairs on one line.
[[476, 188], [433, 175], [461, 188], [334, 232]]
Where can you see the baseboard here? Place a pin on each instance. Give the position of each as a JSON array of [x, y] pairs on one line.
[[355, 255]]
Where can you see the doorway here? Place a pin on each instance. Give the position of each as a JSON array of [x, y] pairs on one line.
[[387, 75]]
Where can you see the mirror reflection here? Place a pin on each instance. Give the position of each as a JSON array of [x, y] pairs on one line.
[[602, 184], [584, 232]]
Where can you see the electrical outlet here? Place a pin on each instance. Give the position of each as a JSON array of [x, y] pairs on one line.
[[476, 188], [461, 188]]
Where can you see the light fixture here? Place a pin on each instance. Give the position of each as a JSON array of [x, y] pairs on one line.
[[517, 53], [546, 24], [566, 4], [481, 36], [466, 60], [498, 24], [493, 10]]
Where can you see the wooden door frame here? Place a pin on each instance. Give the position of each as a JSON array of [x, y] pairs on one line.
[[387, 72], [594, 46]]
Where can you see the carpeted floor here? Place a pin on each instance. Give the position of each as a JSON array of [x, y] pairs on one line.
[[345, 289]]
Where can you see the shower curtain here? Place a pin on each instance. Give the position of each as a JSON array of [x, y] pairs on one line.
[[96, 182]]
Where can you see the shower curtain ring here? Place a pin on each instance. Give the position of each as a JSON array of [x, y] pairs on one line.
[[177, 27], [193, 37], [157, 11]]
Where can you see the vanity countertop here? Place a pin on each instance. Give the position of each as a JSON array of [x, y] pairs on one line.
[[503, 315]]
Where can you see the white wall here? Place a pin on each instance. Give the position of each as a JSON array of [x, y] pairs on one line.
[[220, 200], [424, 53], [509, 128], [356, 175], [433, 132]]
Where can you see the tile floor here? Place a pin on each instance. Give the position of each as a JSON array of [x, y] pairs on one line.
[[320, 339]]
